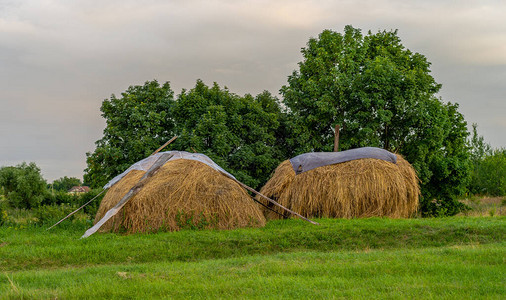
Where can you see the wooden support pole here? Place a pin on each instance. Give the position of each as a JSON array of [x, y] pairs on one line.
[[164, 145], [336, 138]]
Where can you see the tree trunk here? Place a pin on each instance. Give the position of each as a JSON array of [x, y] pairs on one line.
[[336, 138]]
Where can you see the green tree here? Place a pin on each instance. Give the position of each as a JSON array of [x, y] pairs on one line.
[[136, 125], [479, 148], [489, 176], [489, 167], [65, 183], [238, 133], [382, 95], [23, 185], [242, 134]]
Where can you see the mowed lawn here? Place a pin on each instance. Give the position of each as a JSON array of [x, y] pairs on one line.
[[453, 258]]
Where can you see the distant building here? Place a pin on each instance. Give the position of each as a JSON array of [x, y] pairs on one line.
[[79, 189]]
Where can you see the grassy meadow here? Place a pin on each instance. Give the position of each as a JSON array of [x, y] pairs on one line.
[[455, 257]]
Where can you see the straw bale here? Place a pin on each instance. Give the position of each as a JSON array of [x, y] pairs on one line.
[[183, 194], [358, 188]]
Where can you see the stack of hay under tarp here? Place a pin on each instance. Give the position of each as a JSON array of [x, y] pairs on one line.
[[188, 191], [363, 182]]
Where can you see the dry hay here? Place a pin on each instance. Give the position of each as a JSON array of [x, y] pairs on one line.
[[183, 194], [359, 188]]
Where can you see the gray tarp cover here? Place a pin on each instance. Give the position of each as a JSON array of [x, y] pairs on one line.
[[309, 161], [145, 164]]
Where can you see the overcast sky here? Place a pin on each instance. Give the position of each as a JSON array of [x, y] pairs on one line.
[[60, 59]]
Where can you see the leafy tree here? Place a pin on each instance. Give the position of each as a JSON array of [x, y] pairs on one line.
[[489, 167], [479, 148], [136, 124], [489, 177], [489, 174], [382, 95], [238, 133], [65, 183], [23, 185], [441, 157]]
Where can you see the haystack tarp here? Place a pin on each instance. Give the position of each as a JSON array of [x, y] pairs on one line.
[[309, 161], [145, 164]]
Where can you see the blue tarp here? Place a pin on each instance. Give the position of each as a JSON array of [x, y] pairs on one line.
[[309, 161]]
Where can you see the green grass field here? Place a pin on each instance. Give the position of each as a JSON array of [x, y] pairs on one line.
[[453, 258]]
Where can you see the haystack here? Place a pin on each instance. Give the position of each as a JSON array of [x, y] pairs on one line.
[[363, 187], [182, 194]]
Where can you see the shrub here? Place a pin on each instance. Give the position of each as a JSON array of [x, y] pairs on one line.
[[489, 167], [23, 185], [439, 208], [50, 214], [60, 204], [60, 197], [489, 174]]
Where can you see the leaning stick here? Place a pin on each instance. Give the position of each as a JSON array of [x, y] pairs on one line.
[[273, 202], [164, 145], [132, 192]]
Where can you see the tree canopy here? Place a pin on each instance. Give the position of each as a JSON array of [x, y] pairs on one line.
[[136, 125], [382, 95], [238, 132]]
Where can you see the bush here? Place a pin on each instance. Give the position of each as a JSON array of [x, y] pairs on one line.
[[60, 197], [489, 174], [439, 208], [60, 204], [23, 185], [489, 167], [50, 214]]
